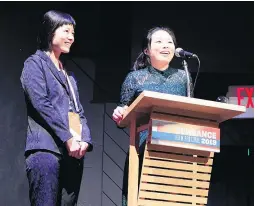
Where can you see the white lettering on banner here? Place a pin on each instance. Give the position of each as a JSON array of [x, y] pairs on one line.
[[198, 133]]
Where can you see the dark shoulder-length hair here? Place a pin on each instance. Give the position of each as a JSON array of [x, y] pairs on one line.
[[143, 60], [50, 22]]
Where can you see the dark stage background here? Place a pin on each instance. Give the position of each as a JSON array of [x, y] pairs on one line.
[[110, 34]]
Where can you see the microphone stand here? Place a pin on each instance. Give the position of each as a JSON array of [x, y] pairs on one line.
[[185, 65]]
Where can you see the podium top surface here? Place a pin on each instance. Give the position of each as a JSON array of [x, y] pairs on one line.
[[181, 106]]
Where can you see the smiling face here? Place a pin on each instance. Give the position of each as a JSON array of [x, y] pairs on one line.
[[161, 49], [63, 38]]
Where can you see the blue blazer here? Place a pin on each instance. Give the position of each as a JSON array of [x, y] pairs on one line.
[[47, 100]]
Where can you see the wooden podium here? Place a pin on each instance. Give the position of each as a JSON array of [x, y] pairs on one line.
[[178, 158]]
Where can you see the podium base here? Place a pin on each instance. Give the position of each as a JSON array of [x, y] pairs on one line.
[[174, 176]]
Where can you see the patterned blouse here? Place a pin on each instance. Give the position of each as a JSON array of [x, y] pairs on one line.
[[170, 81]]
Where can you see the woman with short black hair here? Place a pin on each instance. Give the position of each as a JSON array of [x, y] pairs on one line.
[[54, 151]]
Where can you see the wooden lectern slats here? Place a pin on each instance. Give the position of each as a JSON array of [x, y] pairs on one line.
[[174, 181], [174, 173], [162, 148], [168, 156], [172, 189], [177, 166], [173, 197], [145, 202], [177, 175]]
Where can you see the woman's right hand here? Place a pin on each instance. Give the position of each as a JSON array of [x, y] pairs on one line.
[[73, 148], [118, 113]]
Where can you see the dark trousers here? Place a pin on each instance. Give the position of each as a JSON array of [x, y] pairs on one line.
[[54, 180]]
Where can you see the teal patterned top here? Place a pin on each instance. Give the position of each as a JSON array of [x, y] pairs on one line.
[[170, 81]]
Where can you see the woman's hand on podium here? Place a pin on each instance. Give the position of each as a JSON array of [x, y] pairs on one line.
[[118, 113]]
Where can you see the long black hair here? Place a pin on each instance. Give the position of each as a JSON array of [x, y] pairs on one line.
[[143, 59], [50, 22]]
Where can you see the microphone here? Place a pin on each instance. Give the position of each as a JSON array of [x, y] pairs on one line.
[[179, 52]]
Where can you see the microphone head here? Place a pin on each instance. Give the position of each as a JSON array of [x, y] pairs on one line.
[[177, 52]]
